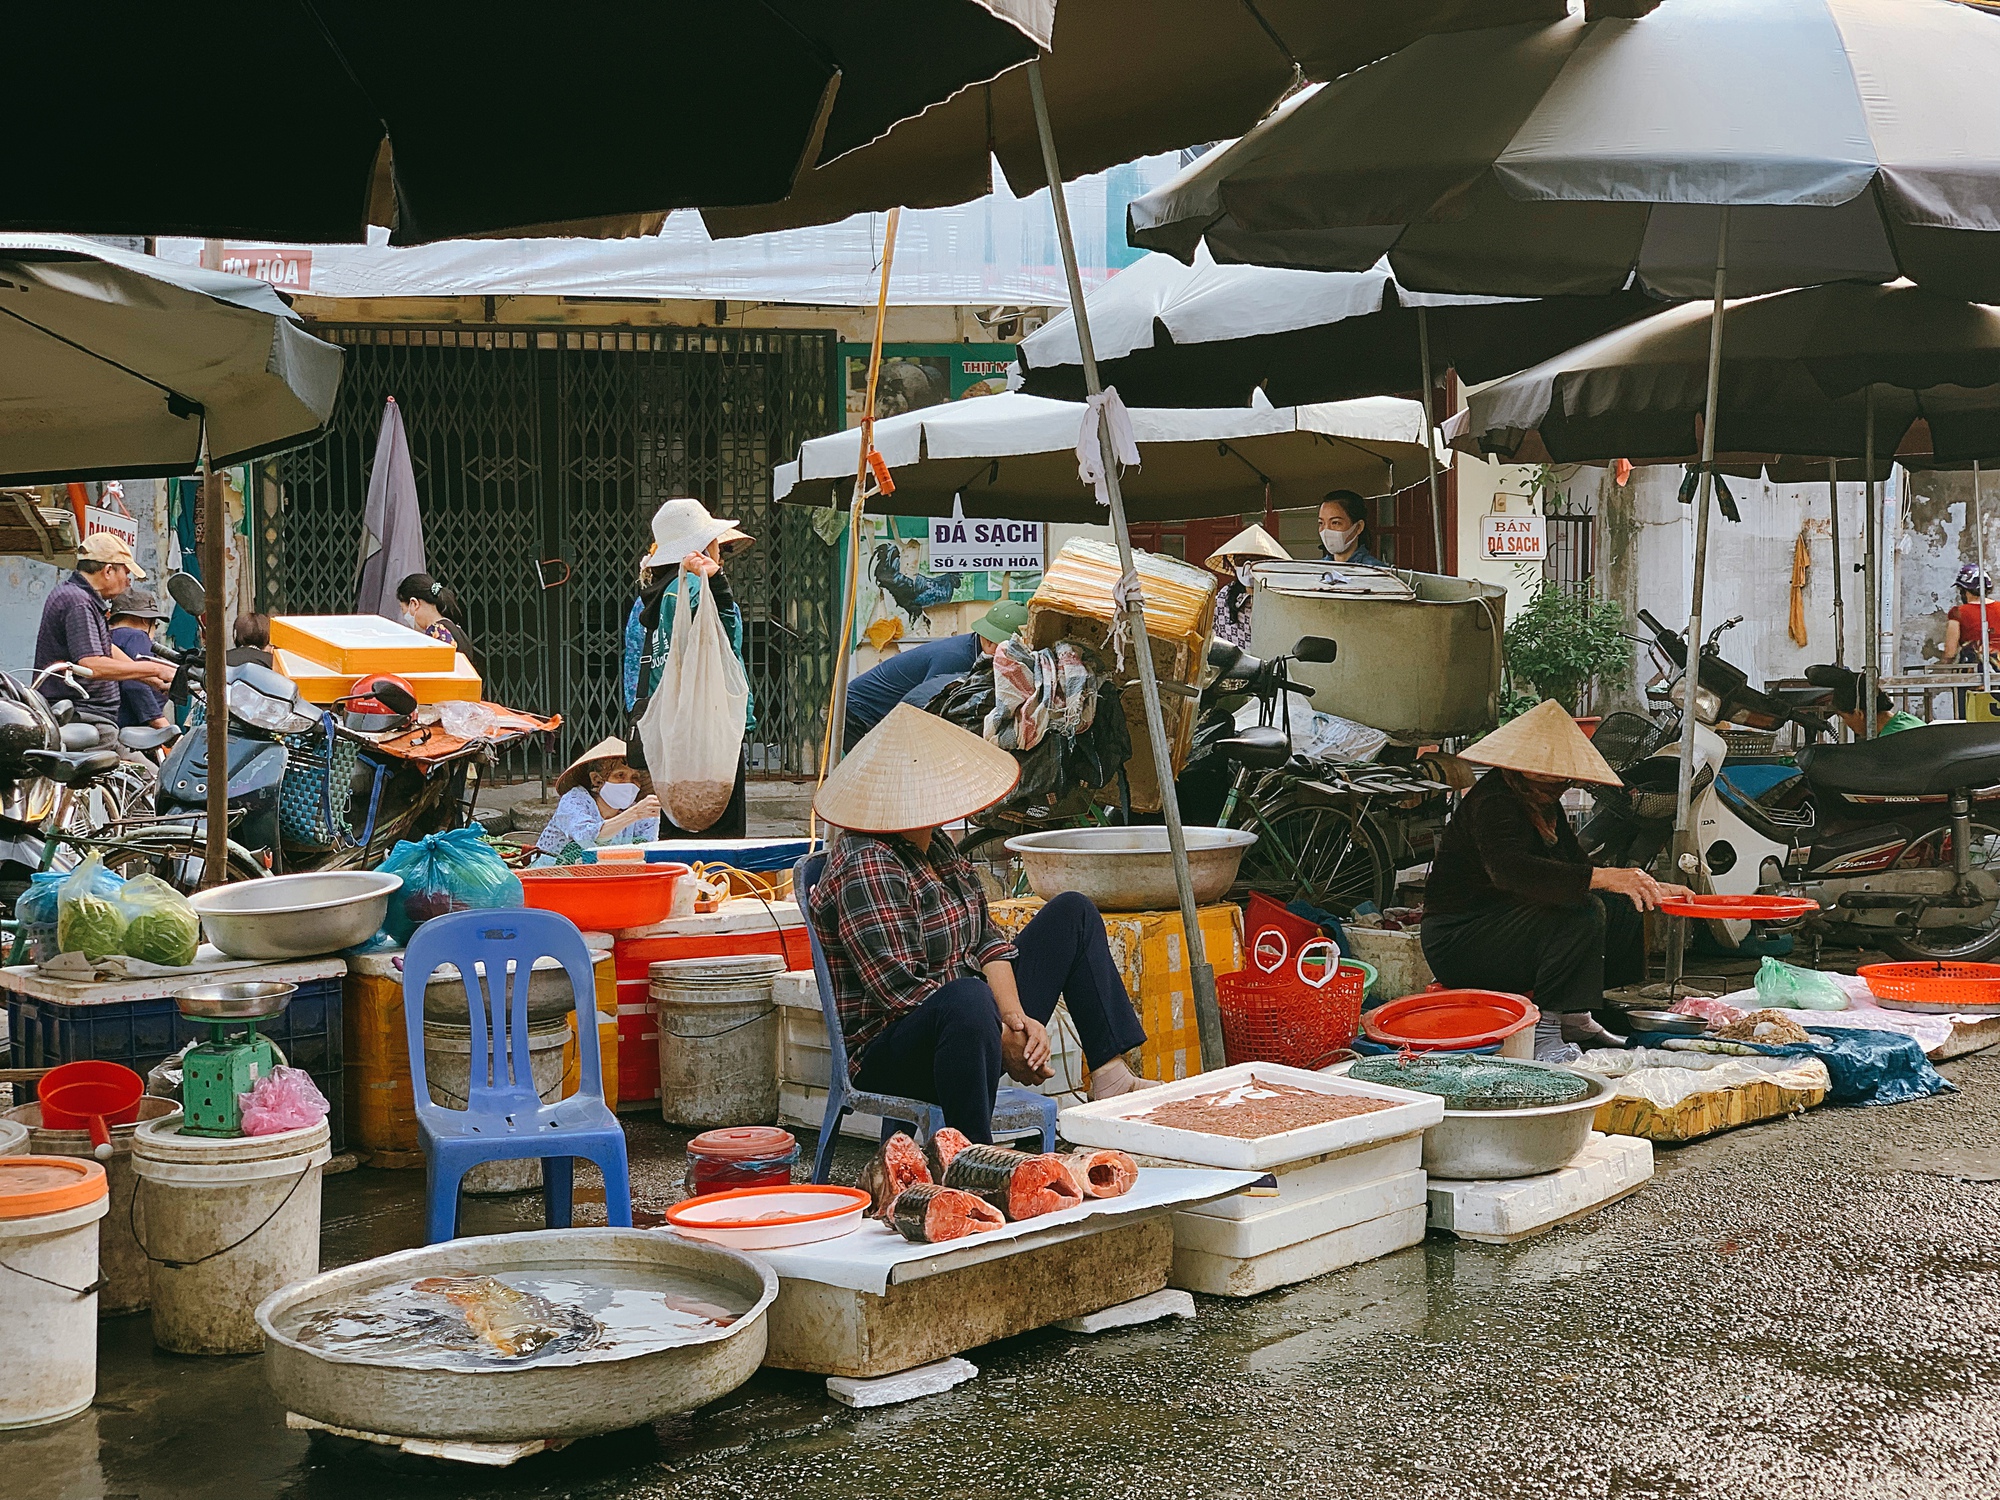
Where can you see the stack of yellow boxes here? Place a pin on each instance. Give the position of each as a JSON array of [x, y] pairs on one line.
[[324, 655]]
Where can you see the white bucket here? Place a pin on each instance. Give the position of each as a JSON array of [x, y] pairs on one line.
[[13, 1136], [718, 1039], [448, 1070], [227, 1222], [48, 1312], [122, 1264]]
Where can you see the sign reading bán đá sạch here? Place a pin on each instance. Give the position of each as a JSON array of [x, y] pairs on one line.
[[1521, 538]]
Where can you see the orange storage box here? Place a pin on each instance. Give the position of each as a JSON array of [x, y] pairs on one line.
[[361, 643]]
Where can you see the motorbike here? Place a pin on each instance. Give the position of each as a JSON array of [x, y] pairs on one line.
[[1897, 839]]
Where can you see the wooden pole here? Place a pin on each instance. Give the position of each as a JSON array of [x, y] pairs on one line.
[[214, 582]]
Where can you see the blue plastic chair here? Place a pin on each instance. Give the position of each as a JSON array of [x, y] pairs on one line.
[[504, 1120], [1016, 1111]]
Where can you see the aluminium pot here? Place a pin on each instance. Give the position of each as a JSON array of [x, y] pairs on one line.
[[1130, 869], [1486, 1144]]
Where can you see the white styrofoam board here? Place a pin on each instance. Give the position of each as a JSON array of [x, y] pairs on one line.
[[743, 914], [801, 1063], [1233, 1276], [457, 1450], [1498, 1212], [1150, 1308], [1317, 1176], [1106, 1122], [933, 1379], [1296, 1223], [797, 989], [805, 1107]]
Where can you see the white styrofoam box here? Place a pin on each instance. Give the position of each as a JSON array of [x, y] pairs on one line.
[[1500, 1212], [1108, 1122], [1317, 1176], [1234, 1276], [743, 914], [1297, 1222], [797, 989], [804, 1107], [802, 1062]]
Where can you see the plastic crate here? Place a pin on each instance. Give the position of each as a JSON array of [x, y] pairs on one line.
[[141, 1033]]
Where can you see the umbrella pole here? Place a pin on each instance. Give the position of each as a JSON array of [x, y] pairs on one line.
[[1430, 435], [1687, 858], [1979, 551], [833, 746], [1207, 1016], [215, 687], [1839, 582], [1871, 671]]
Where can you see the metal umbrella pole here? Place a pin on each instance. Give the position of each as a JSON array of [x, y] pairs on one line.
[[1207, 1015], [1979, 551], [1871, 670], [1430, 434], [215, 687], [1687, 859], [1839, 579]]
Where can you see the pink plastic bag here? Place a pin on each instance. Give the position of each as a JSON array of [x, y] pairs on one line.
[[287, 1100]]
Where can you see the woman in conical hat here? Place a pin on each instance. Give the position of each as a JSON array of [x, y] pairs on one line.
[[935, 1002], [1234, 560], [1512, 903]]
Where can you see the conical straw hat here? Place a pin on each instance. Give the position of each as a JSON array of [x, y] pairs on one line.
[[1252, 541], [1544, 741], [914, 770], [576, 773]]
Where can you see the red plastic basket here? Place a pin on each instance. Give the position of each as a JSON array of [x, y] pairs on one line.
[[1974, 986], [1274, 1011], [604, 898]]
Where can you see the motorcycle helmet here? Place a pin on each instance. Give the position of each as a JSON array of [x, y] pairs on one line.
[[24, 725], [1971, 581], [366, 711]]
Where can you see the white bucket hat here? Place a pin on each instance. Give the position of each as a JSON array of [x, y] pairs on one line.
[[684, 525]]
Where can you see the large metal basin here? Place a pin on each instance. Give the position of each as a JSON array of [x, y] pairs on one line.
[[557, 1398], [1130, 869], [1473, 1144], [296, 916]]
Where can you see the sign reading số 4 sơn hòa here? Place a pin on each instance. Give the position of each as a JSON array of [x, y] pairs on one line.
[[963, 544], [1515, 538]]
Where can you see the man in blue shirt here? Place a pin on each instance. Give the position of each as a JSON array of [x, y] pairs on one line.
[[141, 704], [74, 629], [917, 674]]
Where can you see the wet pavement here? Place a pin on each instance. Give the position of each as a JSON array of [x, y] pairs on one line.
[[1804, 1309]]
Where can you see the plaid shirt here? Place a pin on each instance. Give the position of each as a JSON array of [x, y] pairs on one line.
[[896, 927]]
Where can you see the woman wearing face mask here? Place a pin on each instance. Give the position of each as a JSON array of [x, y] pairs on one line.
[[604, 801], [1233, 560], [1512, 904], [435, 610], [1343, 525]]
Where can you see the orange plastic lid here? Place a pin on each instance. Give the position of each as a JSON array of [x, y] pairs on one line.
[[31, 1185], [743, 1143], [1448, 1020]]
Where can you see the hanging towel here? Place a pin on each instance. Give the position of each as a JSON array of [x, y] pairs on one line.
[[1801, 566]]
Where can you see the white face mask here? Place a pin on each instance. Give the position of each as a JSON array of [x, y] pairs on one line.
[[620, 794], [1338, 542], [411, 620]]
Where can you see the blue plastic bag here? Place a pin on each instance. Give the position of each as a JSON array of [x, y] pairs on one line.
[[35, 910], [1868, 1067], [446, 872]]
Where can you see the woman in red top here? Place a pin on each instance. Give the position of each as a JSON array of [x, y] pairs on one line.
[[1961, 626]]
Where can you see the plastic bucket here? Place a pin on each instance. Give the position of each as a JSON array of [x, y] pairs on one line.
[[226, 1223], [448, 1069], [13, 1136], [49, 1209], [718, 1035], [122, 1264]]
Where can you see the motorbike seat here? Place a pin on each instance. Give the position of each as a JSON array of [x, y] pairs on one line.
[[1927, 762], [84, 734], [71, 767], [1260, 747], [137, 737]]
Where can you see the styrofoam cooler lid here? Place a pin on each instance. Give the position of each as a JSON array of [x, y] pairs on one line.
[[33, 1185], [598, 942], [721, 969], [161, 1140]]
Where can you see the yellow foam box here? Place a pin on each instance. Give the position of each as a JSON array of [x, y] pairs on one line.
[[1150, 949], [355, 644], [318, 684]]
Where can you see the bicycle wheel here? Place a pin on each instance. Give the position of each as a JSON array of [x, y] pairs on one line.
[[177, 858], [1320, 854], [999, 867]]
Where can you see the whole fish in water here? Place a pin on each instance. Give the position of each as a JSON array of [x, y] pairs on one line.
[[514, 1322], [930, 1215], [1101, 1174], [898, 1165], [1019, 1185]]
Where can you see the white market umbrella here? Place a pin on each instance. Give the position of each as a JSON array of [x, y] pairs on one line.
[[1014, 456]]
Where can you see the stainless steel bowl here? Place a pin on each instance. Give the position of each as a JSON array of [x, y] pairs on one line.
[[1663, 1023], [296, 916], [251, 1000], [1475, 1144], [1130, 869]]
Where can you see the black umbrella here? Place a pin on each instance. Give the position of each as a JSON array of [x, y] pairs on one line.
[[502, 115]]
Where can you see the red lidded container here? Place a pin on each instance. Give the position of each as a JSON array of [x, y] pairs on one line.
[[743, 1156]]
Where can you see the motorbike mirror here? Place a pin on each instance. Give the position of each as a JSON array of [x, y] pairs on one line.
[[1828, 676], [1316, 648], [1223, 656], [185, 589]]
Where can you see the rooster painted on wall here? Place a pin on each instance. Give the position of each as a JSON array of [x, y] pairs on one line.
[[915, 591]]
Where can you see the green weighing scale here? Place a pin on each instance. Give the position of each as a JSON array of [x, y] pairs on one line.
[[233, 1058]]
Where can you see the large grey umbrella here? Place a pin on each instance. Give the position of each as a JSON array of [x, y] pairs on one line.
[[115, 364], [1704, 146]]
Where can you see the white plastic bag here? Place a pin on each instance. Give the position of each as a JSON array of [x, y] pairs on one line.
[[693, 727]]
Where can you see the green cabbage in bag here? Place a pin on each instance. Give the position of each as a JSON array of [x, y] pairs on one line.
[[163, 928], [1786, 986], [89, 919]]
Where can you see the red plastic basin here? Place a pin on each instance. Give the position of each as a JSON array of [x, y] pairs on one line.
[[604, 898], [1449, 1020]]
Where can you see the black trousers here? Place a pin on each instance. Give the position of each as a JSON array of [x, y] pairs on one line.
[[947, 1050], [1563, 955]]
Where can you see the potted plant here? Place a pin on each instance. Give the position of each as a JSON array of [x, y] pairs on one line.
[[1563, 640]]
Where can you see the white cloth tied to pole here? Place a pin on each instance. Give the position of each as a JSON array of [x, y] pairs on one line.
[[1126, 601], [1090, 465]]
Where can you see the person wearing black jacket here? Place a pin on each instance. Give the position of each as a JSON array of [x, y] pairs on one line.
[[1512, 904]]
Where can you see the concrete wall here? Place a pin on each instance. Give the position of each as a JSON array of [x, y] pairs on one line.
[[25, 583]]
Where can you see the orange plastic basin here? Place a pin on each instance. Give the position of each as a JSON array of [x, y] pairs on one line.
[[1449, 1020], [604, 898]]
